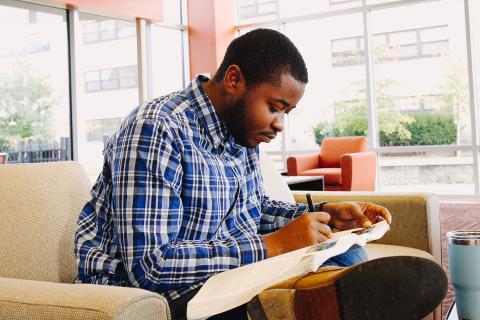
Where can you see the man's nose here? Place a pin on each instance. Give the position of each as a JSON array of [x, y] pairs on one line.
[[278, 123]]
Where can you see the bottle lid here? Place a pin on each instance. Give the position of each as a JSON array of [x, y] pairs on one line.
[[466, 238]]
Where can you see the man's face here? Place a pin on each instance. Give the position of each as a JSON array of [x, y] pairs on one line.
[[258, 115]]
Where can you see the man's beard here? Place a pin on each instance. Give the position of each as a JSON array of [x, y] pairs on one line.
[[235, 121]]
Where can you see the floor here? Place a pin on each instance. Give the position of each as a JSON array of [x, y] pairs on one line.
[[456, 216]]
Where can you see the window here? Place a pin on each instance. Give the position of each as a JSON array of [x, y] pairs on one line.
[[166, 60], [290, 8], [336, 2], [423, 102], [391, 46], [249, 10], [348, 51], [318, 115], [102, 129], [107, 30], [107, 74], [34, 91], [111, 79]]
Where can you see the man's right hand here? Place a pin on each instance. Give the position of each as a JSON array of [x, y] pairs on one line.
[[308, 229]]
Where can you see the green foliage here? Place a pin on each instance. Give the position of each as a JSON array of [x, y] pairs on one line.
[[321, 130], [396, 128], [433, 129], [443, 126], [25, 107]]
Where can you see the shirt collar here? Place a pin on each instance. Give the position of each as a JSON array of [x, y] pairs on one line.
[[203, 107]]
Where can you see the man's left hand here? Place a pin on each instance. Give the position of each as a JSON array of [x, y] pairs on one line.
[[354, 214]]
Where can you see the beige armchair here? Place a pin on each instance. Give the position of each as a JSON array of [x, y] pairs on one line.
[[39, 205], [415, 229]]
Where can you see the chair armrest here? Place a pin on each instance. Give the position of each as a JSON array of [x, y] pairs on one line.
[[29, 299], [415, 216], [297, 164], [358, 171]]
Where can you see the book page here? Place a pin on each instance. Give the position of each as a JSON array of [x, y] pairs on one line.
[[374, 232], [232, 288], [244, 277]]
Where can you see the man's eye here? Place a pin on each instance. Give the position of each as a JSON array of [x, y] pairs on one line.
[[273, 109]]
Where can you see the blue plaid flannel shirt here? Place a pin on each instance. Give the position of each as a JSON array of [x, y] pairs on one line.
[[158, 214]]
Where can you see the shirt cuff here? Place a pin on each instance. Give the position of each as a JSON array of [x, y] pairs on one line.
[[251, 249]]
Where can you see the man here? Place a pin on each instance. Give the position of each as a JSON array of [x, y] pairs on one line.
[[180, 196]]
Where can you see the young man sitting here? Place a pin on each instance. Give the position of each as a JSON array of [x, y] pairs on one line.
[[180, 198]]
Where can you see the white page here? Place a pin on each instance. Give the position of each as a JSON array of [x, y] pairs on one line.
[[232, 288]]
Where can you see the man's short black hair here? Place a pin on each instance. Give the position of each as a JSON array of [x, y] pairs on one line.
[[264, 55]]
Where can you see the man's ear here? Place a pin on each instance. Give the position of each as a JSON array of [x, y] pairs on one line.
[[234, 81]]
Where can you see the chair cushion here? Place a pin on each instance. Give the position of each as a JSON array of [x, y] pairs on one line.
[[38, 209], [40, 300], [330, 175], [332, 149], [375, 251]]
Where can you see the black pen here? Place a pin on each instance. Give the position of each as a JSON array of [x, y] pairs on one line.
[[310, 203]]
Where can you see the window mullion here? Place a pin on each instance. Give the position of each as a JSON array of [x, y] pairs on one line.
[[142, 60], [472, 96], [73, 45]]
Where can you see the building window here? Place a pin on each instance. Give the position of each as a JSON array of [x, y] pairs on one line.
[[111, 79], [99, 129], [107, 30], [348, 51], [392, 46], [249, 9], [334, 2]]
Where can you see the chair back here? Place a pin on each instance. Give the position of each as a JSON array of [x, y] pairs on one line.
[[333, 148], [273, 183], [3, 158], [39, 206]]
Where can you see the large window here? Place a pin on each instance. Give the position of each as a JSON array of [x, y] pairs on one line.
[[39, 64], [34, 92], [443, 78], [323, 111], [166, 60], [109, 82], [411, 99]]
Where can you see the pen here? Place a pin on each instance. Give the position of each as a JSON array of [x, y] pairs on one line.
[[310, 203]]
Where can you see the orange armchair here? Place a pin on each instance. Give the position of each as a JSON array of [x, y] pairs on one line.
[[344, 162]]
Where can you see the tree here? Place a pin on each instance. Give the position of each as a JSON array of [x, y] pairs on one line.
[[26, 103], [351, 116]]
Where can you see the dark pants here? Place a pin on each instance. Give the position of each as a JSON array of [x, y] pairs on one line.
[[178, 307]]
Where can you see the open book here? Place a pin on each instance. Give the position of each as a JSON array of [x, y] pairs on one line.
[[232, 288]]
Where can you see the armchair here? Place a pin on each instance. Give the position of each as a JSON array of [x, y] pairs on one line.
[[3, 158], [344, 162]]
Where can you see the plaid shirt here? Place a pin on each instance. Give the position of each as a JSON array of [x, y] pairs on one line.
[[177, 201]]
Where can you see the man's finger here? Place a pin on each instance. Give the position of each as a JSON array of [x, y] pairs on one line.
[[385, 214], [323, 230], [357, 213], [323, 233], [374, 211], [321, 217]]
